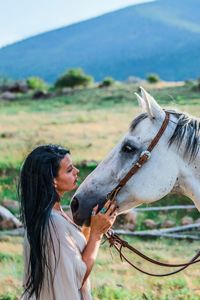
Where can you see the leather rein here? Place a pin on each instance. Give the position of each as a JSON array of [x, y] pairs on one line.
[[115, 241]]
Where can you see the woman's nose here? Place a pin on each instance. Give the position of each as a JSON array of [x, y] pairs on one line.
[[76, 170]]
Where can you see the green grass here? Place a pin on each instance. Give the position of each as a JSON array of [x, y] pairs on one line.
[[90, 122], [183, 95], [9, 296], [120, 280], [8, 184], [112, 279], [104, 98], [11, 266], [9, 181]]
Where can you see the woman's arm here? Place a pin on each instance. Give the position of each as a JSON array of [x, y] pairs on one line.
[[100, 223], [90, 253]]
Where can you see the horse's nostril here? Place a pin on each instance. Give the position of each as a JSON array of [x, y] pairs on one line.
[[74, 205]]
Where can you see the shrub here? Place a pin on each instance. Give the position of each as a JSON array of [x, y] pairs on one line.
[[72, 78], [108, 81], [8, 296], [5, 80], [153, 78], [196, 85], [36, 83], [5, 83]]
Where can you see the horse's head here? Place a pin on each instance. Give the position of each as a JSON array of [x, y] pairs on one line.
[[153, 181]]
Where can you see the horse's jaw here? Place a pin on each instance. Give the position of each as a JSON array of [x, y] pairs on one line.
[[125, 211], [188, 182], [127, 203], [126, 206], [191, 188]]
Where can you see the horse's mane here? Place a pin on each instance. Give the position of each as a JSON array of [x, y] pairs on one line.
[[187, 129]]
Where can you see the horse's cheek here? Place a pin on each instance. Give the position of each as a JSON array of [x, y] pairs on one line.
[[155, 188]]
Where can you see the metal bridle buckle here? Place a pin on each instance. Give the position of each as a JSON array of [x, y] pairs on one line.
[[109, 233], [139, 165], [147, 153]]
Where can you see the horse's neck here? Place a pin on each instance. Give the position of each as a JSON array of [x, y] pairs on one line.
[[189, 180]]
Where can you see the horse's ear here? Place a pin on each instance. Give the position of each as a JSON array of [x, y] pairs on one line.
[[145, 105], [141, 102], [153, 109]]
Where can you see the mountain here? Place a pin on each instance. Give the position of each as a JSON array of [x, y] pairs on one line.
[[161, 37]]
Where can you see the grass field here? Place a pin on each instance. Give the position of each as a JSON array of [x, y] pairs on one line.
[[90, 122], [82, 121], [112, 279]]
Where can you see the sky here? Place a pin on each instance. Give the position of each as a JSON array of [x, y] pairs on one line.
[[20, 19]]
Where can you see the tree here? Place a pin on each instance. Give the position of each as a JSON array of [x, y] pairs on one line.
[[36, 83], [72, 78], [153, 78], [5, 82], [107, 81], [195, 84]]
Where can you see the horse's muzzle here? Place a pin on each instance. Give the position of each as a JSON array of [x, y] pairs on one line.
[[81, 214]]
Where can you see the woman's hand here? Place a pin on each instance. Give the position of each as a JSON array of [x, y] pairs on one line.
[[103, 220], [100, 223]]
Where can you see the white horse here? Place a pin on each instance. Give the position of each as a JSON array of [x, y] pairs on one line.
[[174, 165]]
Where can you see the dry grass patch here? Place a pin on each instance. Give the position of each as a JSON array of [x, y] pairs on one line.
[[90, 134]]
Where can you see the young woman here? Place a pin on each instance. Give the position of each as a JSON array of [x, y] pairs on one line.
[[57, 257]]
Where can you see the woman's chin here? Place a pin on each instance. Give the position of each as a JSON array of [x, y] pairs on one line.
[[72, 187], [75, 186]]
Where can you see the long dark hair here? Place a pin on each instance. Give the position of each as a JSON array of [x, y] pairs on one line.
[[37, 195]]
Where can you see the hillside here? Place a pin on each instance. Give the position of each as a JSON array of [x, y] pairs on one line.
[[161, 37]]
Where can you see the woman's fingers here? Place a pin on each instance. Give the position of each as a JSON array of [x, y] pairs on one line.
[[102, 221], [108, 209], [105, 207], [111, 209], [94, 211]]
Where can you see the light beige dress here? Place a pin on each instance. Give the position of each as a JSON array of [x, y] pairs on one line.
[[69, 243]]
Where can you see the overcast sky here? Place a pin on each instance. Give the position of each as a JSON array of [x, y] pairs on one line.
[[23, 18]]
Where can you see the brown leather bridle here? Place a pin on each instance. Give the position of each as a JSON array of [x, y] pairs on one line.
[[144, 157], [115, 240]]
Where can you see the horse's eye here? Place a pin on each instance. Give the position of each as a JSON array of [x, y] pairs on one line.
[[128, 149]]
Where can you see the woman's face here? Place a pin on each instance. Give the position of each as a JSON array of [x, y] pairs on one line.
[[67, 176]]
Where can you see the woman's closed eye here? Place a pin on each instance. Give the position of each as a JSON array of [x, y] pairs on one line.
[[69, 170]]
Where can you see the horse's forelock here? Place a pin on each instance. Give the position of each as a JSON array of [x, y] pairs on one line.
[[187, 130]]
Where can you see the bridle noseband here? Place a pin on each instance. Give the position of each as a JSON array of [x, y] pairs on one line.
[[114, 239]]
